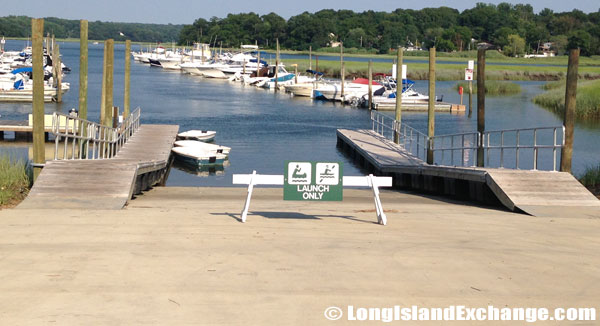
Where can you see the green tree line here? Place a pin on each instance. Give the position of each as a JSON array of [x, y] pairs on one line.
[[514, 29], [20, 26]]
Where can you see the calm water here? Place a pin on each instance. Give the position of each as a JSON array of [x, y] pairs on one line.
[[265, 128]]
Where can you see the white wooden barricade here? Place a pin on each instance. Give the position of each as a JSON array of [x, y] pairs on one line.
[[370, 181]]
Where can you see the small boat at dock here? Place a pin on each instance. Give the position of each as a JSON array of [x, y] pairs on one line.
[[211, 148], [199, 135], [196, 157]]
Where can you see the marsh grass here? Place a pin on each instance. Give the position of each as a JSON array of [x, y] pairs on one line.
[[15, 181], [591, 179], [420, 71], [588, 100], [494, 87]]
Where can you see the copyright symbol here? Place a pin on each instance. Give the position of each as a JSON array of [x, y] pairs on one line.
[[333, 313]]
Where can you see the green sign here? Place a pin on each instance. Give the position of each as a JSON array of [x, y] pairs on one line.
[[313, 181]]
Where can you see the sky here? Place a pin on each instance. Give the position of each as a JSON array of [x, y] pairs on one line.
[[186, 11]]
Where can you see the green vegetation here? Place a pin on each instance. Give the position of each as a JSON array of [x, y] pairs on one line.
[[15, 181], [591, 179], [20, 27], [514, 29], [420, 71], [494, 88], [588, 100]]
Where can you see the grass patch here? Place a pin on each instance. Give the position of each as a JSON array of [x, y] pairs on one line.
[[15, 181], [554, 84], [494, 88], [591, 179], [450, 71], [588, 100]]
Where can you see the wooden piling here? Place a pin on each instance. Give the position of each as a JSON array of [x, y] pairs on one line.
[[110, 56], [431, 107], [295, 74], [470, 98], [277, 65], [370, 84], [342, 69], [127, 86], [398, 113], [480, 104], [103, 87], [566, 153], [258, 63], [83, 68], [316, 62], [310, 57], [37, 40], [343, 73], [58, 63]]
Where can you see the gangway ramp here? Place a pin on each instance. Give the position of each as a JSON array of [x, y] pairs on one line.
[[105, 183], [538, 193]]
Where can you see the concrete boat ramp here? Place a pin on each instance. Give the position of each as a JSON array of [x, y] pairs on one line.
[[179, 256]]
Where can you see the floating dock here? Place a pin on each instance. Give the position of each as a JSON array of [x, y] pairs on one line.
[[538, 193]]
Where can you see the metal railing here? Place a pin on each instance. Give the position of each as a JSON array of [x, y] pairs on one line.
[[462, 146], [527, 145], [511, 141], [84, 139]]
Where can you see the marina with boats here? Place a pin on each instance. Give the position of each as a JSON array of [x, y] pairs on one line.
[[245, 66]]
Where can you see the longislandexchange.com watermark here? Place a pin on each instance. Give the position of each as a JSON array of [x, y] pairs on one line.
[[460, 313]]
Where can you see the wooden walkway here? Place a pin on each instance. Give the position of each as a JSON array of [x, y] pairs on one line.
[[539, 193], [108, 183]]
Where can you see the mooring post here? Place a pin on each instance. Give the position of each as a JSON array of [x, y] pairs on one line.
[[58, 63], [127, 86], [343, 73], [295, 73], [110, 57], [342, 70], [115, 117], [37, 40], [480, 104], [370, 72], [277, 65], [566, 154], [399, 88], [83, 68], [470, 98], [431, 107], [103, 87], [317, 62], [258, 63], [310, 57]]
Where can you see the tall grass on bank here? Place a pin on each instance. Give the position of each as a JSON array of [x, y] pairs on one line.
[[494, 88], [588, 100], [591, 179], [15, 180], [420, 71]]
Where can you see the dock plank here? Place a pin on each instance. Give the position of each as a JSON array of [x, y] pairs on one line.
[[103, 183]]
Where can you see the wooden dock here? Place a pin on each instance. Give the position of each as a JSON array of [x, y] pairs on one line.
[[538, 193], [143, 162]]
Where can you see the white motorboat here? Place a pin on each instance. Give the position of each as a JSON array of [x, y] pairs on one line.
[[197, 157], [17, 86], [199, 135], [332, 91], [211, 148]]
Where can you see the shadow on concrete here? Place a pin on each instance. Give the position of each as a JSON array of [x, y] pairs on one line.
[[293, 215]]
